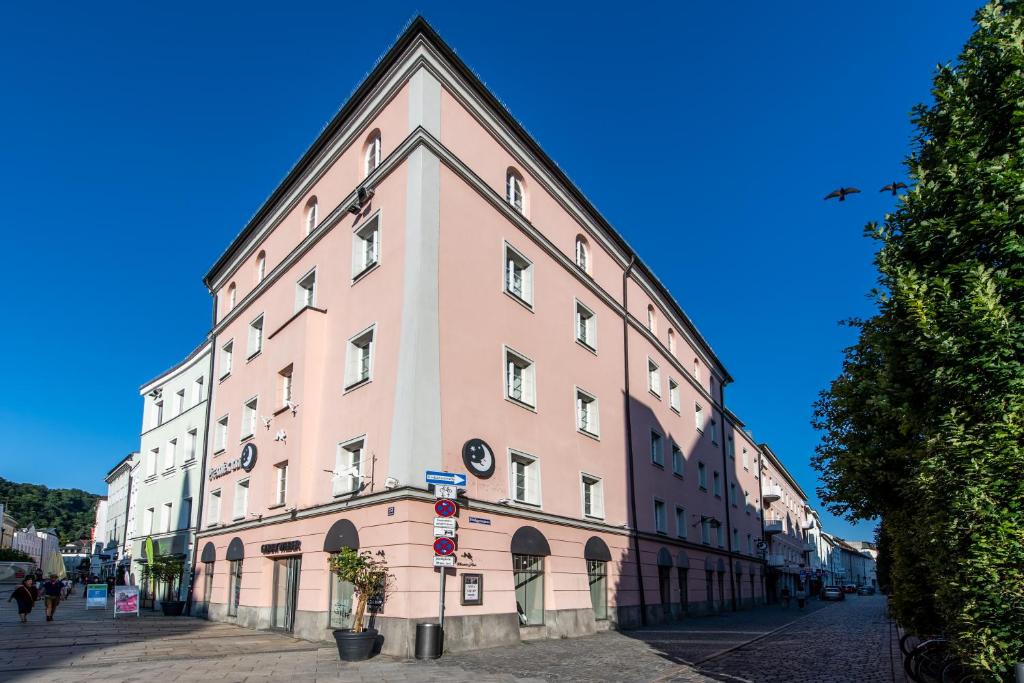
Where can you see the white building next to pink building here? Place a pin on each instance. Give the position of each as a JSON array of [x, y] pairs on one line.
[[426, 276]]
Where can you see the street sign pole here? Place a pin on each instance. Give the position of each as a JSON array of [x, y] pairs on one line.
[[440, 615]]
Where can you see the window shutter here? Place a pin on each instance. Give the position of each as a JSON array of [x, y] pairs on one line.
[[533, 482], [528, 374], [376, 245], [528, 284], [579, 413], [511, 278], [511, 379]]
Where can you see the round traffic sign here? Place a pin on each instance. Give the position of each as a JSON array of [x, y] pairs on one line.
[[444, 546], [446, 508]]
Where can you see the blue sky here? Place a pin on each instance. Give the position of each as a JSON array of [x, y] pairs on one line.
[[136, 140]]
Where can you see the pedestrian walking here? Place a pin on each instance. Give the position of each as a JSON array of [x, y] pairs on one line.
[[801, 597], [51, 594], [26, 595]]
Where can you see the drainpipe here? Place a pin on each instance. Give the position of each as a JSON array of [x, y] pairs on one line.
[[202, 467], [634, 537], [728, 503]]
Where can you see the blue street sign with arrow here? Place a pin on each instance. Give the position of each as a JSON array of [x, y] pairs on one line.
[[446, 478]]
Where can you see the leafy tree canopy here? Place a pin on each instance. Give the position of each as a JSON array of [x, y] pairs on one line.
[[70, 511]]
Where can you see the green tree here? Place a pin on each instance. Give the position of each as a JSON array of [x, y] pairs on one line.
[[924, 427], [70, 511]]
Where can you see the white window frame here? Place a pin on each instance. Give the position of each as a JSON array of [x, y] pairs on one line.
[[514, 259], [311, 216], [512, 360], [596, 485], [673, 395], [657, 448], [532, 483], [746, 459], [702, 476], [240, 504], [158, 413], [652, 320], [359, 357], [147, 521], [197, 391], [261, 267], [716, 484], [585, 321], [671, 341], [287, 386], [660, 520], [586, 403], [698, 417], [193, 444], [582, 254], [714, 431], [223, 423], [681, 529], [305, 290], [255, 337], [170, 454], [280, 483], [250, 416], [213, 508], [166, 513], [349, 466], [179, 402], [366, 235], [678, 464], [371, 160], [152, 463], [227, 356], [653, 377], [515, 193]]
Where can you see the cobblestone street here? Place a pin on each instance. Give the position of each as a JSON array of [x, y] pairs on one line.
[[848, 641]]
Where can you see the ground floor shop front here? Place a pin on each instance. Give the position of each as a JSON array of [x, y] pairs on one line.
[[518, 576]]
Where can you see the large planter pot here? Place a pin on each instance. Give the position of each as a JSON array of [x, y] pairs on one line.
[[173, 608], [355, 647]]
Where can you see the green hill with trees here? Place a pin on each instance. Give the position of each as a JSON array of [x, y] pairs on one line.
[[70, 511]]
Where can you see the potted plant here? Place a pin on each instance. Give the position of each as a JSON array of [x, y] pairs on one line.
[[370, 577], [167, 568]]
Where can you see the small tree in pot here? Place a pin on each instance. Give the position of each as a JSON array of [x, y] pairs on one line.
[[370, 577], [168, 569]]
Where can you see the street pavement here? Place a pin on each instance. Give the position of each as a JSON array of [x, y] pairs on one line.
[[826, 643]]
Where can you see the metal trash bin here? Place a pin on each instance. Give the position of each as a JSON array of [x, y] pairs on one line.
[[429, 638]]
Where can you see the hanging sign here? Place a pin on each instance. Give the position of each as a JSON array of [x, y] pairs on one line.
[[96, 596], [478, 457], [446, 508], [444, 546]]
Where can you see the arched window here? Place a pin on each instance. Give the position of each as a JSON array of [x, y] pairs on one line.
[[696, 369], [232, 296], [671, 341], [514, 190], [261, 266], [311, 215], [582, 254], [652, 320], [372, 154]]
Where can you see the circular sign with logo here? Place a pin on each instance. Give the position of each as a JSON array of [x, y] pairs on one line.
[[446, 508], [444, 546], [248, 459], [478, 458]]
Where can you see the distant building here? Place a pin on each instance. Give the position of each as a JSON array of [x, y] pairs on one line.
[[99, 536], [40, 544], [8, 525], [119, 484]]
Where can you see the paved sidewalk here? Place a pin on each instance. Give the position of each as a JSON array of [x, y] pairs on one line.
[[89, 645]]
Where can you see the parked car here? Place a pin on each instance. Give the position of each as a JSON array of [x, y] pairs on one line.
[[865, 590], [832, 593], [849, 588]]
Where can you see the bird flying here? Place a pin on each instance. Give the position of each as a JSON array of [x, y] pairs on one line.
[[893, 187], [841, 193]]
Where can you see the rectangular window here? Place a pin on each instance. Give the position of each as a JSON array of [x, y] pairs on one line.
[[241, 499], [698, 417], [587, 417], [750, 545], [151, 463], [732, 494], [359, 360], [653, 378], [286, 386], [593, 497], [305, 291], [281, 483], [520, 378], [586, 326], [705, 531], [673, 394], [348, 467], [366, 246], [717, 482], [518, 276], [702, 476], [660, 517], [179, 402], [735, 539], [681, 522], [222, 433], [255, 336], [528, 577], [147, 522], [234, 587], [657, 452], [714, 432], [213, 511], [718, 535], [249, 417], [170, 454], [158, 416], [165, 517], [227, 353], [185, 519], [525, 478], [192, 445], [197, 391], [730, 447], [597, 576], [677, 461], [746, 459]]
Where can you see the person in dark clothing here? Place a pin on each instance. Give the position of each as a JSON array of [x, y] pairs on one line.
[[51, 594], [26, 594]]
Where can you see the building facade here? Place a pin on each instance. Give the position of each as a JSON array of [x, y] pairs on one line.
[[426, 290], [41, 544], [116, 549], [787, 519], [169, 472], [8, 526], [98, 541]]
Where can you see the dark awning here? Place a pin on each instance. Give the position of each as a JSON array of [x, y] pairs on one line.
[[664, 558], [236, 549], [528, 541], [209, 553], [342, 534], [597, 550]]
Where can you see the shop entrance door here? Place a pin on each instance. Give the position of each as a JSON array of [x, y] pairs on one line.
[[286, 591]]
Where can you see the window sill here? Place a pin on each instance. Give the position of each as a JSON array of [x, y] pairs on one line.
[[353, 492], [659, 465], [679, 476], [247, 437], [254, 356], [661, 533], [598, 517], [519, 300], [586, 346], [655, 394], [587, 434], [703, 488], [521, 404], [365, 271], [219, 451], [224, 377], [675, 410], [525, 504], [356, 385], [149, 478], [238, 519], [276, 506], [280, 410]]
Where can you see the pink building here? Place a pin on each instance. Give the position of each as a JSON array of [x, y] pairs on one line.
[[424, 277], [787, 518]]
